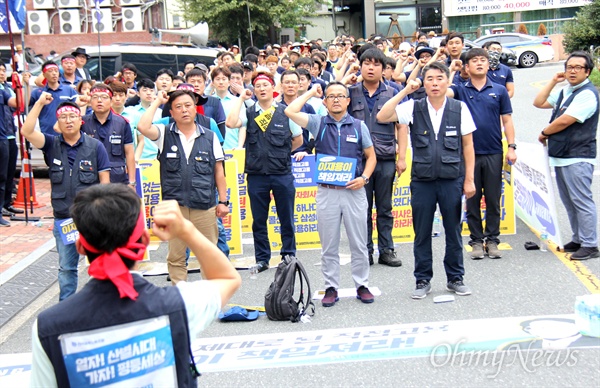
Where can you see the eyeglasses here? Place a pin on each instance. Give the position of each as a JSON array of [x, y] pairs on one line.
[[333, 98], [97, 97], [65, 118], [576, 69]]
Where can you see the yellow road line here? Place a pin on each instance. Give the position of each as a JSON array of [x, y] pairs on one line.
[[585, 276]]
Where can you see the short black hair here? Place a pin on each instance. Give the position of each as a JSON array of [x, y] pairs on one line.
[[303, 61], [145, 83], [178, 93], [130, 66], [290, 72], [373, 54], [251, 58], [228, 54], [252, 50], [589, 62], [487, 44], [453, 35], [304, 73], [361, 49], [436, 66], [476, 52], [336, 83], [195, 72], [188, 63], [236, 68], [95, 211], [165, 71]]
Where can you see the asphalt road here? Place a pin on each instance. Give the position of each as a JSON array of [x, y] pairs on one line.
[[523, 283]]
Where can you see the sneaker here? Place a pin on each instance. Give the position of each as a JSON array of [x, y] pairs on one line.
[[14, 210], [423, 288], [571, 247], [492, 250], [371, 262], [585, 253], [364, 295], [388, 257], [331, 296], [6, 213], [262, 266], [3, 222], [458, 287], [477, 251]]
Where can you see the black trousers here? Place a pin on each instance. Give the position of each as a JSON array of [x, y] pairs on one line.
[[488, 182]]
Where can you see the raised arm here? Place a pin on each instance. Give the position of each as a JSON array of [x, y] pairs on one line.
[[387, 114], [28, 129], [145, 126], [233, 119], [293, 110]]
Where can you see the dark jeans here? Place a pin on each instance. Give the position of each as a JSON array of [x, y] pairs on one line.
[[488, 182], [10, 171], [424, 196], [380, 185], [4, 157], [284, 193]]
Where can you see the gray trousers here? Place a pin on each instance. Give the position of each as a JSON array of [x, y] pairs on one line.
[[351, 206]]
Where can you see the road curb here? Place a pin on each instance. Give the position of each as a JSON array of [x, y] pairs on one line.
[[27, 261]]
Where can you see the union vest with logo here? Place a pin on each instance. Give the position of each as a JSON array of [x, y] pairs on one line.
[[578, 140], [191, 181], [440, 158], [329, 142], [113, 143], [382, 134], [66, 182], [268, 152], [98, 305]]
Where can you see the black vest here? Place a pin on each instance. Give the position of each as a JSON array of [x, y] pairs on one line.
[[329, 142], [67, 182], [191, 182], [382, 134], [578, 140], [440, 158], [98, 305], [269, 152], [113, 143]]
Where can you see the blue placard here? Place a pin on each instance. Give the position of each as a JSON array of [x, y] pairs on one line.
[[335, 170], [304, 171], [67, 230]]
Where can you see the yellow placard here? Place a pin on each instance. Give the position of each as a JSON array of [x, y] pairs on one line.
[[244, 200], [264, 119], [151, 191], [231, 222]]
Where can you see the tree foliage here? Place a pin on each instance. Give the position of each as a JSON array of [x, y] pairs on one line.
[[228, 19], [583, 32]]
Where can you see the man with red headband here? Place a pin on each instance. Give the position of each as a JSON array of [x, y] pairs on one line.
[[115, 134], [270, 139], [120, 328], [75, 162], [59, 93], [69, 74]]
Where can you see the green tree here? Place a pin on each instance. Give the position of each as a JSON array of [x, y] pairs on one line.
[[228, 20], [585, 30]]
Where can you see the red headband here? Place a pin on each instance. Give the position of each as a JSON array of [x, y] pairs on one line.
[[50, 66], [67, 109], [263, 77], [67, 59], [101, 90], [110, 265]]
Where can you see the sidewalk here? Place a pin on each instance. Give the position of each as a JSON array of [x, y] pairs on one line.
[[21, 239]]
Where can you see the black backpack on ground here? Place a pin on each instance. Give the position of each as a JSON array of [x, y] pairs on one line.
[[280, 304]]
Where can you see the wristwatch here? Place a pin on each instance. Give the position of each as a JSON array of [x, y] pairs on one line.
[[513, 146], [132, 183], [226, 203], [365, 178]]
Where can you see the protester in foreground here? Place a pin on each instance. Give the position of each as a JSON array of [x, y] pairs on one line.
[[442, 171], [75, 162], [115, 299], [571, 138]]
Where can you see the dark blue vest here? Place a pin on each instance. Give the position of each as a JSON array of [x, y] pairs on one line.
[[67, 182], [113, 141], [191, 182], [440, 158], [330, 141], [382, 134], [269, 152], [578, 140], [98, 305]]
